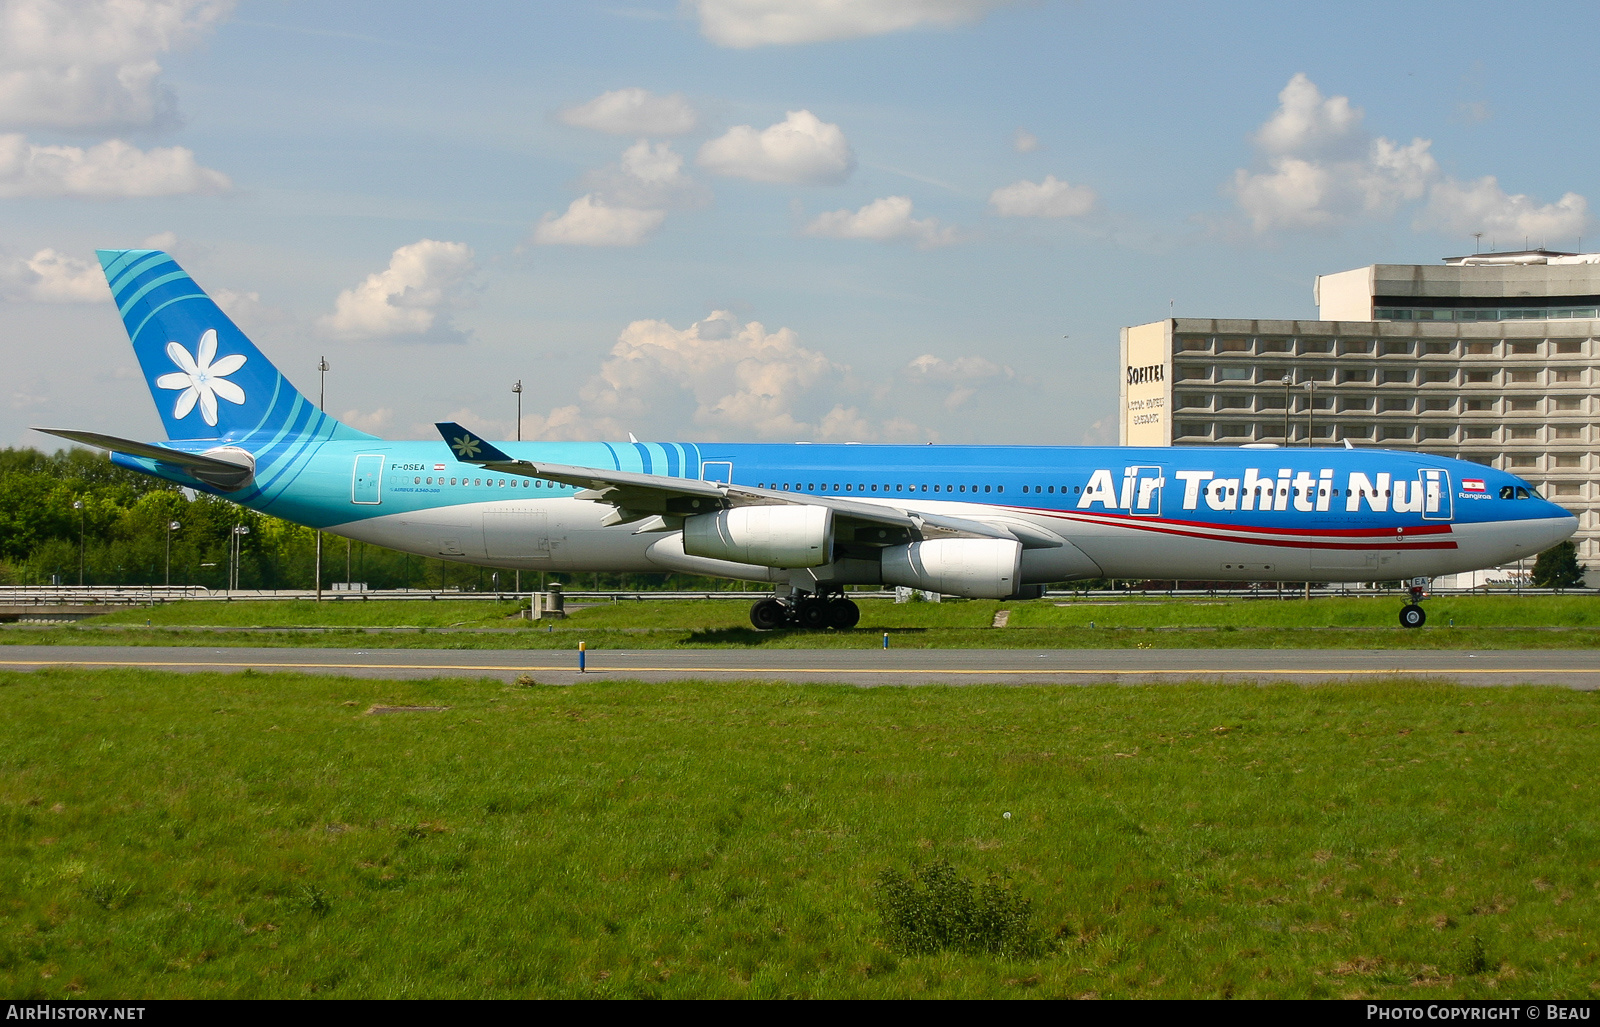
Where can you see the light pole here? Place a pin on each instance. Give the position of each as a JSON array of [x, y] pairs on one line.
[[1287, 381], [322, 405], [517, 388], [77, 504], [172, 526], [1311, 411], [239, 532]]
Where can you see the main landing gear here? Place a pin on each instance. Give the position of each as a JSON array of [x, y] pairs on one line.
[[805, 611], [1412, 615]]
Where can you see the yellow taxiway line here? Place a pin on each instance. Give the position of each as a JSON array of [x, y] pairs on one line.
[[800, 670]]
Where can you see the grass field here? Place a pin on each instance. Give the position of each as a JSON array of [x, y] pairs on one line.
[[1480, 622], [263, 835]]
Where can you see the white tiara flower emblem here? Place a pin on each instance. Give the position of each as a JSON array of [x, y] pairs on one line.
[[203, 378]]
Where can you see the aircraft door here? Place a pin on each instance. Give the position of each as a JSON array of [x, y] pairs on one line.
[[1438, 502], [365, 482], [717, 470], [1142, 488]]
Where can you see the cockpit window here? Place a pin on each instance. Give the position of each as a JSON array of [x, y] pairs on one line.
[[1522, 493], [1506, 492]]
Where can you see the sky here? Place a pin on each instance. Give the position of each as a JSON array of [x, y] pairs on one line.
[[749, 220]]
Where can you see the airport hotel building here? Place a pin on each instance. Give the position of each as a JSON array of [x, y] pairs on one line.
[[1493, 358]]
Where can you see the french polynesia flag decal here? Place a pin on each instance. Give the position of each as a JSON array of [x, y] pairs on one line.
[[440, 467], [1472, 485]]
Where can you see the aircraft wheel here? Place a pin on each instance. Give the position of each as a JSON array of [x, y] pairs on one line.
[[767, 614], [812, 614], [1411, 616], [843, 614]]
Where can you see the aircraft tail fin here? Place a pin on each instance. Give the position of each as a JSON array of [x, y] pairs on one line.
[[208, 380]]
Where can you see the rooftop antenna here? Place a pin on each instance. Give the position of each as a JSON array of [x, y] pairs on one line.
[[1477, 239]]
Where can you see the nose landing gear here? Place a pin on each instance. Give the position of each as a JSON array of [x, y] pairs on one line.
[[813, 612], [1412, 615]]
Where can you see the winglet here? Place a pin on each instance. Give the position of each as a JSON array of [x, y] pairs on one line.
[[468, 447]]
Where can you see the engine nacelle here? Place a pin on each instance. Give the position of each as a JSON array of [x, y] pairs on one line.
[[979, 568], [768, 536]]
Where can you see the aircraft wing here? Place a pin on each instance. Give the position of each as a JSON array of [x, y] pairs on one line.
[[662, 502]]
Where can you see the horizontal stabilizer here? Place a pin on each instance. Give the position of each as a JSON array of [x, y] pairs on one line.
[[229, 472]]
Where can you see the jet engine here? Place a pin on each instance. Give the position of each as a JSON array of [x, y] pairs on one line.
[[979, 568], [769, 536]]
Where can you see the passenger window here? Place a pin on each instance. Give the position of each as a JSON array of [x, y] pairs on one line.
[[986, 488]]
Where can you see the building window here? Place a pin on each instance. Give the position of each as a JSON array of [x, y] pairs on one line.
[[1524, 377], [1234, 346], [1195, 372], [1568, 488], [1522, 460], [1356, 376], [1569, 459], [1193, 400], [1480, 431], [1397, 431], [1357, 431], [1568, 374], [1438, 431], [1479, 377], [1436, 375], [1569, 402], [1391, 377], [1480, 349], [1356, 346], [1478, 405], [1525, 348], [1235, 374], [1569, 431], [1393, 403], [1233, 402], [1436, 404], [1396, 346], [1314, 345], [1522, 404], [1433, 348], [1356, 403], [1569, 346], [1272, 346], [1192, 345], [1191, 429]]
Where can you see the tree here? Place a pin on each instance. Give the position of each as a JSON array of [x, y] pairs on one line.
[[1558, 567]]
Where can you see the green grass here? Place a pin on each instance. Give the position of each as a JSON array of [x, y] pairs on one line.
[[258, 835], [1455, 622]]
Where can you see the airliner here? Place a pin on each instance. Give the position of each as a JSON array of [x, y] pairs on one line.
[[978, 521]]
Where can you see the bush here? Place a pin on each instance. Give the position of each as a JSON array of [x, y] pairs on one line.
[[934, 908]]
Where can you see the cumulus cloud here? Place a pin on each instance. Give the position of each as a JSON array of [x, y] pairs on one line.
[[91, 64], [634, 112], [1024, 141], [1461, 208], [748, 23], [799, 150], [590, 221], [726, 379], [883, 220], [626, 202], [52, 277], [648, 175], [1323, 170], [1051, 198], [409, 298], [109, 170], [963, 376]]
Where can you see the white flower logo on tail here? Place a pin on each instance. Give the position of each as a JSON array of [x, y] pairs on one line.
[[203, 378]]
